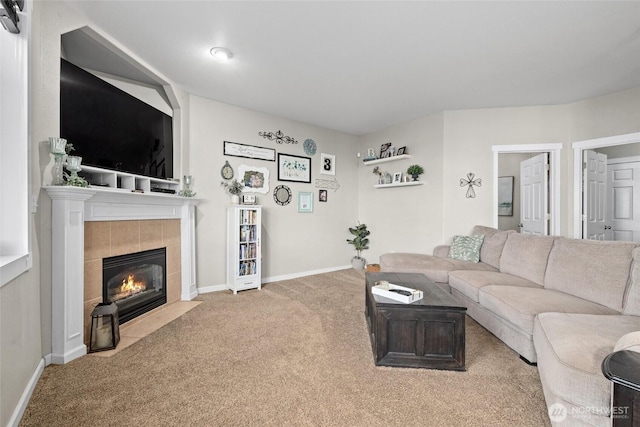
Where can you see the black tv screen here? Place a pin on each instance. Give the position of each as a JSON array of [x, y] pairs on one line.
[[111, 129]]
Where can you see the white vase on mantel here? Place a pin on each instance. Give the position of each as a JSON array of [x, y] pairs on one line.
[[235, 199]]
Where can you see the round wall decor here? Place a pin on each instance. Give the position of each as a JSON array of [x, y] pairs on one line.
[[282, 195], [310, 147]]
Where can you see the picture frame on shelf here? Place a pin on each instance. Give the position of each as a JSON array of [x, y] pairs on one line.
[[305, 202], [397, 177], [385, 150], [254, 179], [401, 151], [249, 199], [294, 168], [327, 164]]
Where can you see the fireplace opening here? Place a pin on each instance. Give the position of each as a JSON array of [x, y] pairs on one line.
[[135, 282]]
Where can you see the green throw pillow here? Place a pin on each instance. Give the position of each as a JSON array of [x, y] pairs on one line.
[[466, 248]]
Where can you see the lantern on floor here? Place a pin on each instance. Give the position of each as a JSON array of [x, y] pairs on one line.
[[105, 327]]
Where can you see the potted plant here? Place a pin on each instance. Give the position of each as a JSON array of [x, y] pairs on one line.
[[234, 188], [360, 243], [415, 171]]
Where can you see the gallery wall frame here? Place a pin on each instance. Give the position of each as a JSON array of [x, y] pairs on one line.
[[294, 168], [327, 164], [305, 202], [255, 179], [237, 149]]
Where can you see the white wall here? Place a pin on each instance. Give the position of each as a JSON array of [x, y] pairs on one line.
[[292, 242]]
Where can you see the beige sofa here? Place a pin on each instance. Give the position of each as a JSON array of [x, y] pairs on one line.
[[561, 303]]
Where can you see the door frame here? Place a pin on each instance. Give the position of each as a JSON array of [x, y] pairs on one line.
[[578, 147], [554, 150]]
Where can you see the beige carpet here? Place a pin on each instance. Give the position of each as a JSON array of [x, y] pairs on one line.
[[295, 353]]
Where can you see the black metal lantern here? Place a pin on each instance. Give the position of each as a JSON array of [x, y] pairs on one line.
[[105, 327]]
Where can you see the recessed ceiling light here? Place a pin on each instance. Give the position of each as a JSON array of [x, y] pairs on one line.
[[221, 53]]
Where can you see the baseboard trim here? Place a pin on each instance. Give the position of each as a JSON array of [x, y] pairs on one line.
[[18, 412], [223, 287]]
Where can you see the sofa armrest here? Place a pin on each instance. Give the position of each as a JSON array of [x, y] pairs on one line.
[[630, 341], [441, 251]]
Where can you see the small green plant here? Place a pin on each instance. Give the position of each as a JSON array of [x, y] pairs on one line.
[[415, 170], [234, 187], [360, 241]]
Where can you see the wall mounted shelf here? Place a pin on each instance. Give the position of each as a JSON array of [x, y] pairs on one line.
[[399, 184], [387, 159]]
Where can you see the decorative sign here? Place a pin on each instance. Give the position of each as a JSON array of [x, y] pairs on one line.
[[249, 151], [278, 137], [328, 164], [470, 182], [327, 183]]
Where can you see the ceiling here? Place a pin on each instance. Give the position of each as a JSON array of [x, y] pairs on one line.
[[362, 66]]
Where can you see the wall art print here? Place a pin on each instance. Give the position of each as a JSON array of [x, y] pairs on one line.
[[249, 151], [255, 179], [294, 168], [327, 164]]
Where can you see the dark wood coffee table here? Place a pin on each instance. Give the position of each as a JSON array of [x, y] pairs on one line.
[[429, 333]]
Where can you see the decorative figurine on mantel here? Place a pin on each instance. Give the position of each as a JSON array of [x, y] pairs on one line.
[[73, 165], [187, 191], [57, 147]]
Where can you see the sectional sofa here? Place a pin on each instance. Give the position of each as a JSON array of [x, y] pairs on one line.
[[562, 303]]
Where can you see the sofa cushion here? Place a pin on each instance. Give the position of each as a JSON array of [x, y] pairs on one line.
[[435, 268], [469, 282], [526, 256], [466, 248], [594, 270], [630, 341], [631, 302], [570, 349], [520, 305], [492, 245]]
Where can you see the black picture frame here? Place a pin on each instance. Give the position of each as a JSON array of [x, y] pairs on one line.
[[385, 150], [401, 151], [294, 168]]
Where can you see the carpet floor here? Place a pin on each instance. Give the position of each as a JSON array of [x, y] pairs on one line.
[[296, 353]]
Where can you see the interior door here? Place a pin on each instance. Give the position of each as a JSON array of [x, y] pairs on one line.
[[623, 201], [594, 195], [534, 195]]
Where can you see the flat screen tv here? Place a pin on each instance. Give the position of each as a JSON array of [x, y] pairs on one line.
[[111, 129]]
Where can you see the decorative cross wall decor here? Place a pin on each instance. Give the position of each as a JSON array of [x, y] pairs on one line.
[[470, 182], [279, 137]]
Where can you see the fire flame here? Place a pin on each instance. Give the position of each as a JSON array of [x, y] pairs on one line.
[[131, 287]]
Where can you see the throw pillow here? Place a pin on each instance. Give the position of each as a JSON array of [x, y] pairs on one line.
[[466, 248]]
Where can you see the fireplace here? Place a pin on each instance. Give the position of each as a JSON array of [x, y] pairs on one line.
[[136, 282]]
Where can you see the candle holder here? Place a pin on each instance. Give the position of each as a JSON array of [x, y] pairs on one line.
[[73, 165], [187, 191], [57, 148]]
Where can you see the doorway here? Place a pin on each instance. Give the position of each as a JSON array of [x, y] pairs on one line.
[[502, 159], [619, 219]]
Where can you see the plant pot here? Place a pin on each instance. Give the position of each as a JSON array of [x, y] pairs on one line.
[[358, 263], [235, 199], [415, 177]]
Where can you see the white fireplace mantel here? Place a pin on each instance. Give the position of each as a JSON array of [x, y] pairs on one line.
[[71, 208]]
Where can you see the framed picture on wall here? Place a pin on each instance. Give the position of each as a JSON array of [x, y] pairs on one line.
[[305, 202], [328, 164], [294, 168], [255, 179], [505, 196]]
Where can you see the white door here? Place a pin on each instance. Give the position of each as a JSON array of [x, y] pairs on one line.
[[534, 195], [623, 201], [594, 195]]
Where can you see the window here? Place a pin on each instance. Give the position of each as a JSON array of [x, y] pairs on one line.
[[15, 257]]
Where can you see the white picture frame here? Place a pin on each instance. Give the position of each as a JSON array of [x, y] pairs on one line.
[[327, 164], [255, 179]]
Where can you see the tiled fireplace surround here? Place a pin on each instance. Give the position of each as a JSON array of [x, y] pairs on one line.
[[91, 224]]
